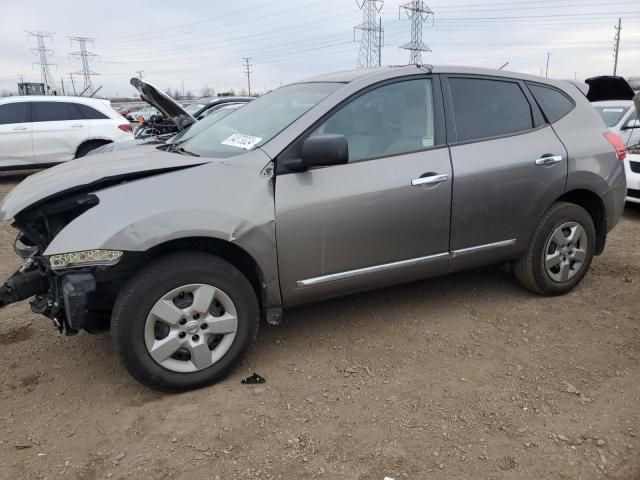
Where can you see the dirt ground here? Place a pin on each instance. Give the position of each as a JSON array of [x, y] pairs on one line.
[[462, 377]]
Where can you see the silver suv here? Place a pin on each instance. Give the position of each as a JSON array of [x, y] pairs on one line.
[[324, 187]]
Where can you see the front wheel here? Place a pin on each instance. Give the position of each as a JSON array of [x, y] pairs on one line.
[[560, 252], [184, 321]]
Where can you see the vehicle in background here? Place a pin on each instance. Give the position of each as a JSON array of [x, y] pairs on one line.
[[324, 187], [171, 139], [173, 117], [143, 114], [612, 97], [39, 131]]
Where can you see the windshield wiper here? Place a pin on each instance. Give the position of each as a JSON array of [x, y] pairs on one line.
[[181, 150]]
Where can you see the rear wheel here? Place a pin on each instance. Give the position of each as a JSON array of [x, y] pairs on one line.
[[184, 322], [560, 252]]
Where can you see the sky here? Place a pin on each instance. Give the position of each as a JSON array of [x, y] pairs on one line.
[[198, 43]]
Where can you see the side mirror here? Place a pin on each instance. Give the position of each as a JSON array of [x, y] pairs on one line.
[[636, 102], [318, 151], [323, 150], [635, 123]]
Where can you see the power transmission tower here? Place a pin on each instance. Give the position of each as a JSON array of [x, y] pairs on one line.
[[419, 13], [85, 56], [247, 70], [140, 72], [43, 55], [371, 37], [616, 48]]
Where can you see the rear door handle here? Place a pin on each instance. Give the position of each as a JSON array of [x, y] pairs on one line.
[[549, 160], [430, 180], [77, 126], [19, 129]]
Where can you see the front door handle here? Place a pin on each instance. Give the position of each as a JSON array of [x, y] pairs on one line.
[[77, 126], [549, 160], [430, 180], [19, 129]]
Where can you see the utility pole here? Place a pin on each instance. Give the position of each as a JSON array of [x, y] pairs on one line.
[[247, 70], [371, 33], [418, 12], [73, 84], [140, 72], [62, 85], [380, 44], [43, 55], [85, 56], [547, 71], [616, 48], [21, 78]]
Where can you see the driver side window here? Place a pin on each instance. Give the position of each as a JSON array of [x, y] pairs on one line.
[[390, 120]]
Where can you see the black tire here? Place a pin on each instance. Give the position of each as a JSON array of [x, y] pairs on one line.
[[530, 269], [87, 147], [143, 290]]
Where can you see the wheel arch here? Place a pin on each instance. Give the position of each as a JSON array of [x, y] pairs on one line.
[[595, 207], [232, 253], [98, 142]]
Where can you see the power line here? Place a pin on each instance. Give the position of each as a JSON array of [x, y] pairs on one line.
[[43, 55], [371, 36], [247, 70], [85, 56], [616, 47], [418, 12]]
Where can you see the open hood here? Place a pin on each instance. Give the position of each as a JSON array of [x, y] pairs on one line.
[[93, 172], [164, 103], [608, 87]]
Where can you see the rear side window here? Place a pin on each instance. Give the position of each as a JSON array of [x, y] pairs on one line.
[[553, 103], [14, 113], [90, 113], [489, 108], [55, 112]]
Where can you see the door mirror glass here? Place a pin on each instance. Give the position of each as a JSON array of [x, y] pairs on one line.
[[323, 150]]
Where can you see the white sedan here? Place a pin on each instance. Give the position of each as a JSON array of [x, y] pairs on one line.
[[39, 131]]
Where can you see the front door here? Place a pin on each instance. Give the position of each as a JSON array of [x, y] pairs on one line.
[[58, 129], [15, 135], [383, 217]]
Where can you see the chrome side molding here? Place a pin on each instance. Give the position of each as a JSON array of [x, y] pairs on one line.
[[480, 248], [333, 277], [310, 282]]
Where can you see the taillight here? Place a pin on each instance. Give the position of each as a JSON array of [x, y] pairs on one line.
[[125, 127], [617, 143]]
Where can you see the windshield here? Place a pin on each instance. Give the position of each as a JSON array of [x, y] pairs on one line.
[[612, 115], [199, 126], [259, 121]]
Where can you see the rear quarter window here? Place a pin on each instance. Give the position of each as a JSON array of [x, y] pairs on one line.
[[553, 103], [90, 113]]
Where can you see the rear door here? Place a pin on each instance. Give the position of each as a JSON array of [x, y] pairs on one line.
[[508, 164], [58, 130], [16, 148], [379, 219]]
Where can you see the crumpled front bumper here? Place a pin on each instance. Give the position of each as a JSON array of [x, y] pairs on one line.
[[21, 285], [63, 298]]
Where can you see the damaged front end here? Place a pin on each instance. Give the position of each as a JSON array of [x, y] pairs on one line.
[[60, 285]]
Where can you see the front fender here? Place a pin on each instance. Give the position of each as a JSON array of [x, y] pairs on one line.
[[221, 200]]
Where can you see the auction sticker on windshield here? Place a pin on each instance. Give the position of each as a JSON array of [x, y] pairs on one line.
[[242, 141]]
